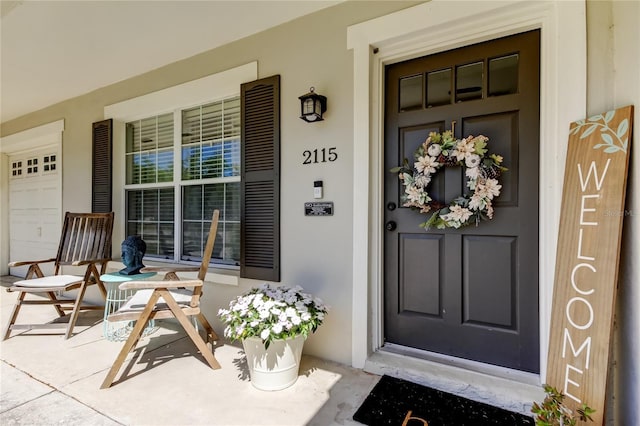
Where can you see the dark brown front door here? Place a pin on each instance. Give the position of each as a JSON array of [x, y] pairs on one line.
[[470, 292]]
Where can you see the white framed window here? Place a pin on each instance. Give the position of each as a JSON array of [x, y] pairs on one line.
[[180, 160], [204, 141]]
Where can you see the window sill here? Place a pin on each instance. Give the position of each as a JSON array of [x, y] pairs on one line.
[[214, 275]]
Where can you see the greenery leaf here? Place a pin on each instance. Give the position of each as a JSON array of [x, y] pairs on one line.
[[612, 149], [553, 412], [609, 116], [622, 128], [589, 131], [596, 117], [395, 169], [606, 137]]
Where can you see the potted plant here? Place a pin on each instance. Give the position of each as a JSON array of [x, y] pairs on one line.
[[273, 323]]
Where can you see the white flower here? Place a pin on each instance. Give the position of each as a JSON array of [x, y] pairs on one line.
[[476, 202], [265, 333], [434, 150], [426, 165], [472, 160], [275, 311], [414, 193], [488, 188], [472, 173], [464, 147], [291, 312], [422, 181], [457, 214], [277, 329]]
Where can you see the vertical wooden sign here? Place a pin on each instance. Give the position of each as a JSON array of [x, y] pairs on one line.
[[588, 255]]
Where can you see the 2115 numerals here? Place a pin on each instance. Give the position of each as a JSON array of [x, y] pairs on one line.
[[319, 155]]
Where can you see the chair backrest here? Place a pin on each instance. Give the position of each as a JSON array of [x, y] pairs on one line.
[[85, 236], [208, 249]]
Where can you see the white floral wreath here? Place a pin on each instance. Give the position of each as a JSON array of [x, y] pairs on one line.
[[481, 169]]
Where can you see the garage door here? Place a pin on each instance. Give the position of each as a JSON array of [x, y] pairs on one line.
[[35, 207]]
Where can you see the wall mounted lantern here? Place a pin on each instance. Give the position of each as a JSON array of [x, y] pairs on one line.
[[312, 106]]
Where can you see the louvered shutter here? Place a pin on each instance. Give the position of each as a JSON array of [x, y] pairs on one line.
[[260, 211], [102, 167]]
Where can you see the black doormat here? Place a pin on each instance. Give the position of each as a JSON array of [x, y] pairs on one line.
[[398, 402]]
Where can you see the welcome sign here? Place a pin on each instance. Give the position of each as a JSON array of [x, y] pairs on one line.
[[588, 255]]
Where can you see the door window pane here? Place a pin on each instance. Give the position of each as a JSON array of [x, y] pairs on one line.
[[469, 82], [439, 88], [411, 93], [503, 75]]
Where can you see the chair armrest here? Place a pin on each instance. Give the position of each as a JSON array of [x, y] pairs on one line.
[[88, 261], [139, 285], [29, 262], [170, 269]]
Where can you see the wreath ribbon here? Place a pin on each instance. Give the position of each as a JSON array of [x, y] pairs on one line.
[[482, 170]]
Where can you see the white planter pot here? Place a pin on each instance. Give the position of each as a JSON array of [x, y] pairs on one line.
[[274, 368]]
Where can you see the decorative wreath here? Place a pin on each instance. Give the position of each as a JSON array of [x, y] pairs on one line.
[[482, 170]]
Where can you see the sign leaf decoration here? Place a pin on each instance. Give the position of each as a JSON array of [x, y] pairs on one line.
[[612, 140]]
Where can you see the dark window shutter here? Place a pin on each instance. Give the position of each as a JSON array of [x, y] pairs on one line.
[[260, 213], [102, 166]]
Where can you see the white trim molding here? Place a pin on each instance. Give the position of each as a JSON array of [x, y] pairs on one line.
[[47, 134], [437, 26]]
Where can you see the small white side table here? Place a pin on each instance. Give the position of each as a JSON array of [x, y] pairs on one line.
[[118, 331]]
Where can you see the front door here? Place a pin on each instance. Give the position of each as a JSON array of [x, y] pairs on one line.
[[470, 292]]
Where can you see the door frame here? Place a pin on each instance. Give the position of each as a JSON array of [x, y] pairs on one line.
[[28, 140], [433, 27]]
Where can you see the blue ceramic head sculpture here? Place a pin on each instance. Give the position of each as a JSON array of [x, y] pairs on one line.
[[133, 250]]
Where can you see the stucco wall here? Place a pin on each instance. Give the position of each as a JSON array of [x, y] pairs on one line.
[[613, 63], [311, 51], [614, 60]]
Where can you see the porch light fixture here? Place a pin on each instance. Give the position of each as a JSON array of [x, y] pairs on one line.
[[312, 106]]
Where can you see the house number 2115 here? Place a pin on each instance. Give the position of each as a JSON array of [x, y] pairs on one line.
[[319, 155]]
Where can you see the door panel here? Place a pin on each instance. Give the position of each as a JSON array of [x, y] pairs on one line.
[[425, 298], [470, 292], [487, 258], [504, 129]]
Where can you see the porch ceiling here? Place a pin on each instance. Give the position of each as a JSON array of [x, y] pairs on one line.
[[55, 50]]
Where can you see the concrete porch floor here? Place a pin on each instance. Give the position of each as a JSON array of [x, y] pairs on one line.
[[46, 380]]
